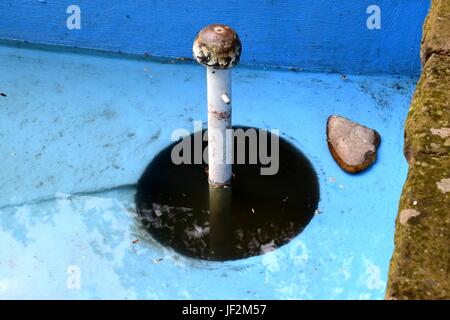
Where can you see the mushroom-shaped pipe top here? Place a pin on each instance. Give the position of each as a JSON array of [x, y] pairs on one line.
[[217, 46]]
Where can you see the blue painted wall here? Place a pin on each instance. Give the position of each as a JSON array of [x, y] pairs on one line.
[[326, 35]]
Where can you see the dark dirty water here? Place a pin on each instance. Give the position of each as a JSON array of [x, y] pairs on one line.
[[257, 214]]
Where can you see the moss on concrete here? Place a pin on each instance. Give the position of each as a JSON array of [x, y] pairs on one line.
[[427, 128], [436, 30], [420, 265]]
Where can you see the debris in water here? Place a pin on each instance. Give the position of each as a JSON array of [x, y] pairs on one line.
[[271, 246], [159, 260]]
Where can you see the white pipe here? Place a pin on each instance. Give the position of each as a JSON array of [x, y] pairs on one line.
[[219, 120]]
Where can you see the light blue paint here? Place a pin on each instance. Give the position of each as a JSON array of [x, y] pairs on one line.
[[74, 126], [325, 35]]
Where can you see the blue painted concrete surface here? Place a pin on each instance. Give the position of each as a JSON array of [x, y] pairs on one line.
[[77, 130], [324, 35]]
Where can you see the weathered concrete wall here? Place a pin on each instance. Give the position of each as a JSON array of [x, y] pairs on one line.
[[427, 129], [420, 265], [421, 261], [436, 30]]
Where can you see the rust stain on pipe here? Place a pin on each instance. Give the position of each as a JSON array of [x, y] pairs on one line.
[[217, 46], [220, 115]]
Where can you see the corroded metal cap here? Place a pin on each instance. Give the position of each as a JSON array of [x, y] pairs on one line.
[[217, 46]]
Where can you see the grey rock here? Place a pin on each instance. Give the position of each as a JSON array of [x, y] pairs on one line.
[[353, 146]]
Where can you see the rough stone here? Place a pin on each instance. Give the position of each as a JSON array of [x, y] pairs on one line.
[[428, 123], [420, 265], [352, 145], [436, 31]]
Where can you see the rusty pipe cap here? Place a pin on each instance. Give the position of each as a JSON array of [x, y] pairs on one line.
[[217, 46]]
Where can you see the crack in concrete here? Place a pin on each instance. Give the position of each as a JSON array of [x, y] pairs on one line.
[[68, 195]]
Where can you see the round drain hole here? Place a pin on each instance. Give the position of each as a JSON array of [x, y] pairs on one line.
[[256, 214]]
